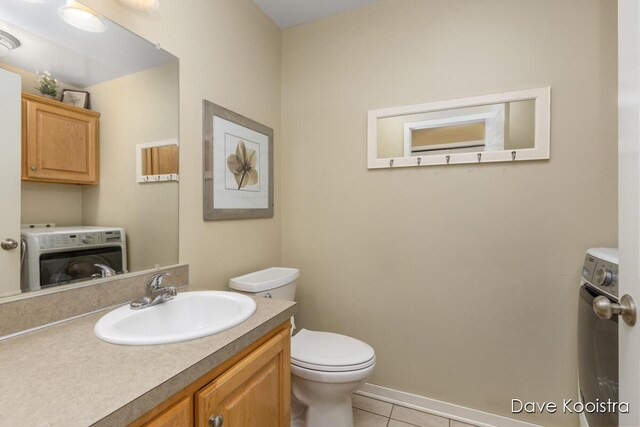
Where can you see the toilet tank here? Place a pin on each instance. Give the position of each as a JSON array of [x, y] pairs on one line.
[[274, 282]]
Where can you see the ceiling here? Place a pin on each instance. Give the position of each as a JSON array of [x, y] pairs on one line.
[[73, 56], [287, 13]]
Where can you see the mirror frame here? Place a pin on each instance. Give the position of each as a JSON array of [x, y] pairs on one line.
[[540, 150], [154, 178]]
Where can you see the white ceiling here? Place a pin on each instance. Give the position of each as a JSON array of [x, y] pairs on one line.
[[71, 55], [287, 13]]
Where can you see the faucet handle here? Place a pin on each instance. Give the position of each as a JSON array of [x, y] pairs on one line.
[[155, 281]]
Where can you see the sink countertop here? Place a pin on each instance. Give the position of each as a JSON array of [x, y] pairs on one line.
[[64, 376]]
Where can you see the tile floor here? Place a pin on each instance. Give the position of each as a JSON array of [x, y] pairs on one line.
[[369, 412]]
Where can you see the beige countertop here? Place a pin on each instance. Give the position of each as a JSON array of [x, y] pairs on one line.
[[65, 376]]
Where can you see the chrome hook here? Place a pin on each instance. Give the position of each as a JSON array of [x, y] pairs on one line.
[[419, 160], [513, 155], [448, 158], [479, 157], [391, 163]]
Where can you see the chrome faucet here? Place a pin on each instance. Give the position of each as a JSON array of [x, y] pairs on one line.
[[156, 293], [105, 270]]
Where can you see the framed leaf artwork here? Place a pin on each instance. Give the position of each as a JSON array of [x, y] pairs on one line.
[[238, 166]]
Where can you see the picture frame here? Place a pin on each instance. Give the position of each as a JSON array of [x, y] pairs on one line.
[[77, 98], [238, 171]]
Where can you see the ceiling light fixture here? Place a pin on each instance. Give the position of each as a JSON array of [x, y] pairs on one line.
[[7, 43], [144, 5], [81, 17]]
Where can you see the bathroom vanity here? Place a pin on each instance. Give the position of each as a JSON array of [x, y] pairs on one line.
[[253, 385], [65, 376]]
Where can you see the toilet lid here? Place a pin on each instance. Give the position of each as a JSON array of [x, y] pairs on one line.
[[329, 352]]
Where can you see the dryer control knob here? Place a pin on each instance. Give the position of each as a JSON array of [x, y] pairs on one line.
[[87, 240], [603, 277]]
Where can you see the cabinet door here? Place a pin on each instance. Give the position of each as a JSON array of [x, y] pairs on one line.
[[10, 180], [178, 415], [256, 392], [61, 144]]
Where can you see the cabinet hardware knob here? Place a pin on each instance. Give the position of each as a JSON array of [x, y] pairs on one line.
[[216, 421], [9, 244], [34, 168]]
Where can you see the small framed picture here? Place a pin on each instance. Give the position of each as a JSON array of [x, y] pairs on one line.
[[77, 98]]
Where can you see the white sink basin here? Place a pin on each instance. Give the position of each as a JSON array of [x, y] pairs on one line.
[[187, 316]]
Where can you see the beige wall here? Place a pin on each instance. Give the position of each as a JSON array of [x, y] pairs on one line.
[[229, 54], [138, 108], [463, 278], [42, 203]]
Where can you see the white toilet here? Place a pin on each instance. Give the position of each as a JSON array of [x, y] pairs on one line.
[[326, 368]]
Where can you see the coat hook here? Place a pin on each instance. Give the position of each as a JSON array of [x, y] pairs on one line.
[[513, 155], [391, 163], [479, 157], [419, 160], [448, 158]]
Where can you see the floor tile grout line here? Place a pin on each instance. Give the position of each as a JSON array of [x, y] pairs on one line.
[[374, 413], [393, 405], [409, 424]]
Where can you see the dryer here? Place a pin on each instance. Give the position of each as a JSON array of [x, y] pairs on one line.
[[598, 338]]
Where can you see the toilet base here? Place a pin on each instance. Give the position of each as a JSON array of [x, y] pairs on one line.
[[322, 404], [337, 414]]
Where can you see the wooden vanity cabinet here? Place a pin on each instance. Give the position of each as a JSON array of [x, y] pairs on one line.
[[178, 415], [252, 389], [60, 143]]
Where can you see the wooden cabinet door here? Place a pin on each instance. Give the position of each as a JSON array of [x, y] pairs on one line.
[[60, 143], [178, 415], [255, 392]]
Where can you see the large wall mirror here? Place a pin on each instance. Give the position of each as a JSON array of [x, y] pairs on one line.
[[508, 126], [74, 233]]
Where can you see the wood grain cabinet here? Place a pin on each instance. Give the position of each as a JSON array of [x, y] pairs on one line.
[[252, 389], [60, 143]]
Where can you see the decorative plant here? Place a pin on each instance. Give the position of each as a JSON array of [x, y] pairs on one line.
[[46, 84]]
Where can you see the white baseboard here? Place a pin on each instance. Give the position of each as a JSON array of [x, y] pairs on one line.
[[437, 407]]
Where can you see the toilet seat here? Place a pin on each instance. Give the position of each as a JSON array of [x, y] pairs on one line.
[[329, 352], [332, 377]]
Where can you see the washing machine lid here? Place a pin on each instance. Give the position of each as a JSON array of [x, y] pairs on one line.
[[329, 352], [606, 254]]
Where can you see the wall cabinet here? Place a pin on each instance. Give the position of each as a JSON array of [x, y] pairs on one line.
[[252, 389], [60, 143]]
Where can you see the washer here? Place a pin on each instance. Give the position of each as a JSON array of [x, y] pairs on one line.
[[58, 255], [598, 338]]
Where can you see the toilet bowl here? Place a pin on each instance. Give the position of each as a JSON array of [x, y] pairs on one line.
[[326, 368]]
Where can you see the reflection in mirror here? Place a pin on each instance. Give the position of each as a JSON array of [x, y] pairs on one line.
[[157, 161], [112, 225], [407, 134], [160, 160]]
